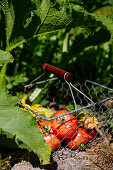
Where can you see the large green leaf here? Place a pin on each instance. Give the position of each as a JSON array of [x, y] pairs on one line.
[[31, 18], [5, 57], [8, 10], [104, 11], [84, 37], [2, 30], [105, 15], [20, 125], [107, 21], [94, 29]]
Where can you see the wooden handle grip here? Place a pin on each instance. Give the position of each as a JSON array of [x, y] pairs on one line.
[[59, 72]]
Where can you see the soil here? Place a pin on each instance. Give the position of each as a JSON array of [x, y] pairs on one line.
[[96, 156]]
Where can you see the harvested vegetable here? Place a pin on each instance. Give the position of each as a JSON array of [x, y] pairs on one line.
[[80, 137], [64, 127], [50, 138], [46, 112]]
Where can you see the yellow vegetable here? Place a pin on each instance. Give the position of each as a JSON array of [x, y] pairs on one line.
[[88, 121], [38, 108], [91, 122], [110, 101]]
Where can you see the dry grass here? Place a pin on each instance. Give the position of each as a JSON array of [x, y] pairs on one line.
[[101, 155]]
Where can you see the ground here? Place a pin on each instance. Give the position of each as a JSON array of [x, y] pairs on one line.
[[96, 156]]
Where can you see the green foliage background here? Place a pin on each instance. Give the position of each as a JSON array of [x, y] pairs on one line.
[[72, 49], [76, 36]]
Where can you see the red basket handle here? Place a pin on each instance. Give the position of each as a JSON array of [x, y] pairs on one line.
[[59, 72]]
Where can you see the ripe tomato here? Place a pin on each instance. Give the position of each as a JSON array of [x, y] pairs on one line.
[[53, 141], [80, 137], [64, 127], [50, 138]]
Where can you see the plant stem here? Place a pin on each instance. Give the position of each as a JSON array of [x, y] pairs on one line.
[[65, 44], [2, 76]]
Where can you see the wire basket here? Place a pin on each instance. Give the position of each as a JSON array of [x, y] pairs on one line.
[[76, 113]]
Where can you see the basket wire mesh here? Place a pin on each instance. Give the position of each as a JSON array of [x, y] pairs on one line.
[[79, 104]]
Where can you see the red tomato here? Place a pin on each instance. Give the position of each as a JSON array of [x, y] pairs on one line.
[[50, 138], [80, 137], [53, 141], [64, 127]]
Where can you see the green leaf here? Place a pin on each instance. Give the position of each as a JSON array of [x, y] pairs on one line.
[[85, 37], [104, 11], [5, 57], [105, 15], [90, 29], [8, 10], [108, 22], [7, 100], [51, 17], [23, 127], [31, 18], [70, 107], [2, 30], [82, 146], [15, 80]]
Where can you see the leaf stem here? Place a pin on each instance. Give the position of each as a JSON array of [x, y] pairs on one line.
[[2, 76]]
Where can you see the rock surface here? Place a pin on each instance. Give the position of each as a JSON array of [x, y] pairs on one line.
[[62, 160]]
